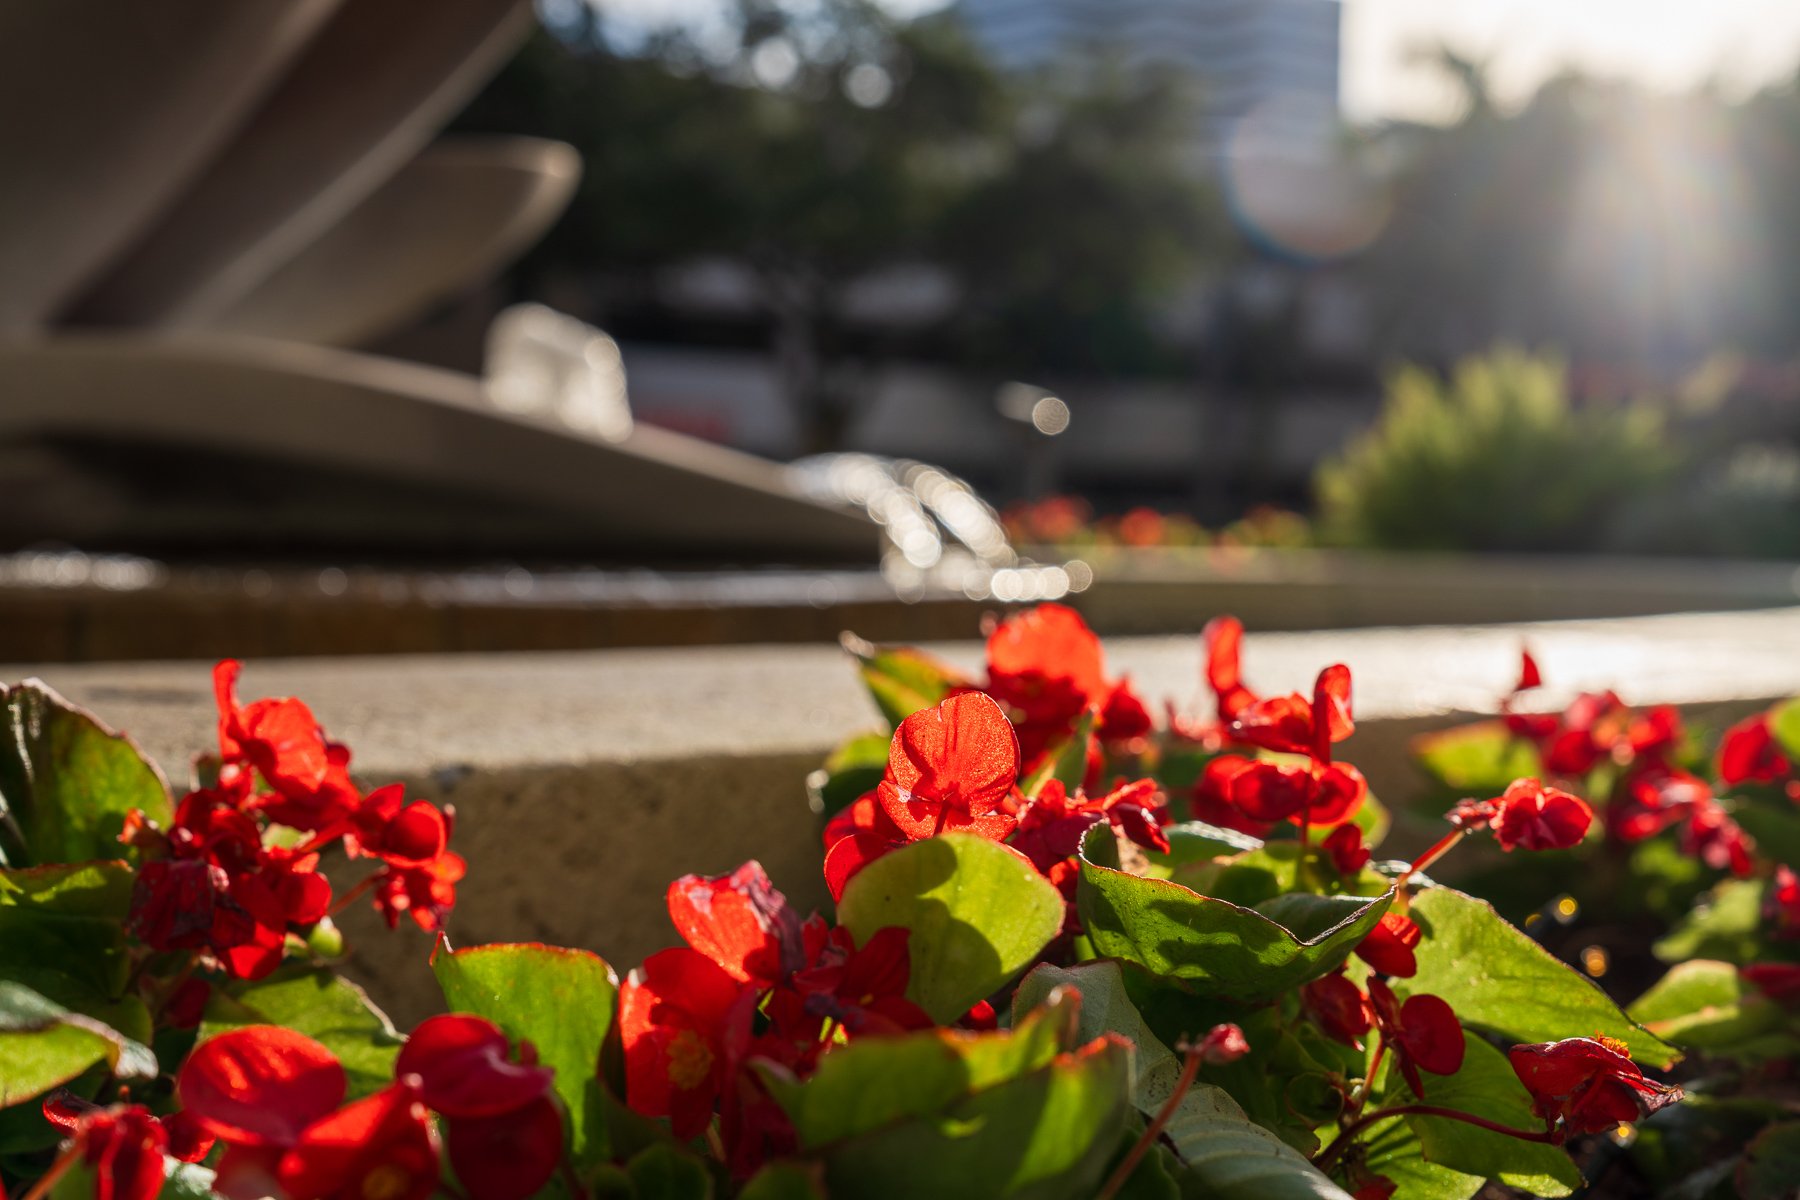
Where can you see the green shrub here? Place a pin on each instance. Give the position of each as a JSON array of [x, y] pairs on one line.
[[1496, 457]]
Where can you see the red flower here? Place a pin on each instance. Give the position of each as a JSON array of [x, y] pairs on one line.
[[1268, 792], [280, 738], [1529, 675], [1389, 946], [740, 921], [1781, 904], [390, 828], [1422, 1032], [426, 892], [502, 1130], [1223, 640], [1536, 817], [952, 768], [382, 1145], [1047, 664], [1223, 1044], [1348, 853], [1653, 799], [676, 1015], [1716, 840], [1586, 1085], [261, 1085], [1298, 726], [864, 990], [1339, 1008], [1780, 982], [1749, 753], [123, 1147], [1051, 829]]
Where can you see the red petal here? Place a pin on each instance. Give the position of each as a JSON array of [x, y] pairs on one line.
[[260, 1086], [1052, 641], [507, 1157], [1539, 818], [380, 1145], [740, 921], [1529, 675], [1268, 791], [1331, 710], [962, 753], [851, 855], [1389, 946], [1431, 1034], [672, 1019], [464, 1069]]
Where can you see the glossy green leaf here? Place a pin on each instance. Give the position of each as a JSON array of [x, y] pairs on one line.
[[43, 1044], [786, 1181], [70, 915], [1479, 759], [1486, 1087], [979, 913], [1705, 1005], [1784, 723], [562, 1001], [322, 1005], [1228, 1155], [902, 680], [67, 781], [1393, 1150], [1195, 842], [1726, 924], [1498, 979], [1216, 947], [1770, 1168]]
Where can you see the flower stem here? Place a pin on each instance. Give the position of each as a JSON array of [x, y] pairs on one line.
[[1153, 1130], [1331, 1153], [1442, 847], [349, 897], [57, 1170]]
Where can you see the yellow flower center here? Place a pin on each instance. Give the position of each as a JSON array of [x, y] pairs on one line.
[[690, 1059]]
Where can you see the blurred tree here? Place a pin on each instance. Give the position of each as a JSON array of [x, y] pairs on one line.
[[818, 146]]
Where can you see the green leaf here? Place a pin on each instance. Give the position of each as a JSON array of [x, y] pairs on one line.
[[1486, 1086], [1784, 723], [67, 781], [562, 1001], [1066, 762], [979, 913], [322, 1005], [1479, 759], [668, 1173], [1197, 842], [43, 1044], [785, 1181], [902, 680], [1230, 1156], [1776, 830], [1771, 1164], [1393, 1150], [855, 767], [71, 915], [1726, 924], [1498, 979], [1705, 1005], [953, 1114], [1216, 947]]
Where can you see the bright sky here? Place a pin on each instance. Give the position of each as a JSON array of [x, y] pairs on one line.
[[1667, 43]]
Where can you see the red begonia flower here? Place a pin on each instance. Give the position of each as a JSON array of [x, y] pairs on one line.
[[1586, 1085], [1339, 1008], [1781, 904], [1223, 640], [673, 1018], [1749, 753], [1223, 1044], [122, 1146], [426, 892], [1716, 840], [406, 834], [862, 988], [1348, 853], [1780, 982], [1389, 946], [850, 855], [1123, 714], [1652, 799], [508, 1156], [862, 815], [952, 768], [1054, 823], [1295, 725], [1047, 664], [1422, 1032], [1211, 801], [261, 1085], [740, 921], [464, 1069], [189, 1140], [382, 1145], [1536, 817], [1652, 735], [1529, 675], [1272, 792], [280, 738], [1365, 1184]]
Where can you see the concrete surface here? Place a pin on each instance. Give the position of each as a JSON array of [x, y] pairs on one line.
[[585, 782]]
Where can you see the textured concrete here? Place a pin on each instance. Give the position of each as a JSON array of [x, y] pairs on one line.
[[584, 782]]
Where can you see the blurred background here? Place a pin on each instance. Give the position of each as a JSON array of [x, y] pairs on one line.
[[338, 325]]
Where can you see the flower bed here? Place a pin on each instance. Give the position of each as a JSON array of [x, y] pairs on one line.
[[1076, 952]]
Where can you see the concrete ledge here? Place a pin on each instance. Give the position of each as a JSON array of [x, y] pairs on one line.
[[585, 782]]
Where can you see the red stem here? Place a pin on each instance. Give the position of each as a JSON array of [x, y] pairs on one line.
[[1152, 1131], [1330, 1154], [1442, 847], [57, 1170], [349, 897]]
